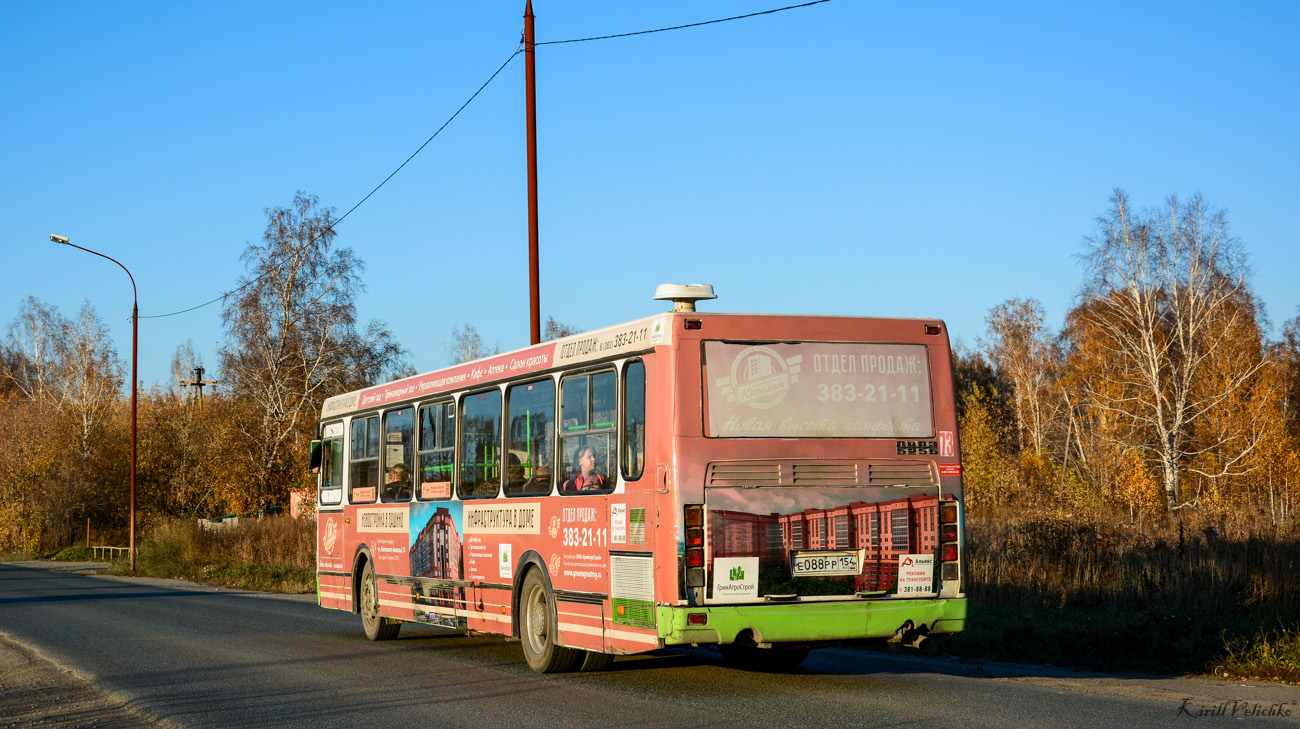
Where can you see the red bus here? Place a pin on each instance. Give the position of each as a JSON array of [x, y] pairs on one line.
[[763, 484]]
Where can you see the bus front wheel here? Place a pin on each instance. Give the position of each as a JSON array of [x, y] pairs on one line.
[[538, 630], [595, 661], [377, 627]]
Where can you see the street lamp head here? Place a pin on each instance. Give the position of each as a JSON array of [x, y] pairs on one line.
[[59, 239]]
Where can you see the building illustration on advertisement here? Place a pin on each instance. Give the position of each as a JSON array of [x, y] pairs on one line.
[[883, 530], [436, 553]]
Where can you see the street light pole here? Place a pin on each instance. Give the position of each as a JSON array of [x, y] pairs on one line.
[[135, 340]]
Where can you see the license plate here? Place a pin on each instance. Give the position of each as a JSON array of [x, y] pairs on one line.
[[827, 563]]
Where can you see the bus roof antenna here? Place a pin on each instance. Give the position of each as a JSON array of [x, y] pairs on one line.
[[684, 296]]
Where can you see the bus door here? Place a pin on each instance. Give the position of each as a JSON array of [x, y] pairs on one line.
[[334, 585]]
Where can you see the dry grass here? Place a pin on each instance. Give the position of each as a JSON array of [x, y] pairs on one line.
[[276, 554], [1189, 596], [1181, 595]]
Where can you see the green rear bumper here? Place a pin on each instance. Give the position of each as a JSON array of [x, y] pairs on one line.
[[810, 621]]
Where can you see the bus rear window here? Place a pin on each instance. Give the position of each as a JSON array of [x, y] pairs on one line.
[[817, 390]]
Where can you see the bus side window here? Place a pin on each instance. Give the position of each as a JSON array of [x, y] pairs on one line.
[[331, 480], [437, 451], [589, 435], [530, 438], [633, 420], [399, 437], [480, 444], [364, 482]]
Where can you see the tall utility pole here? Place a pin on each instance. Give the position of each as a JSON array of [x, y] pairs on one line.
[[530, 84]]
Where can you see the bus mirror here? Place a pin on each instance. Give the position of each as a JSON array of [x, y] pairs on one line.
[[316, 453]]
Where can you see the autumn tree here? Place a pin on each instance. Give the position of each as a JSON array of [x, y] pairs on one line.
[[1286, 354], [1278, 458], [1167, 299], [1095, 442], [292, 339], [65, 375], [28, 459], [1023, 350], [988, 471]]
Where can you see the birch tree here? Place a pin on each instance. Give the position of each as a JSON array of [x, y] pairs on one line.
[[1022, 349], [555, 330], [68, 363], [31, 355], [467, 345], [292, 339], [1167, 296]]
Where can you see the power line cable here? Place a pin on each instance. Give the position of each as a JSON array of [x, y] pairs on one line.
[[680, 27], [330, 227]]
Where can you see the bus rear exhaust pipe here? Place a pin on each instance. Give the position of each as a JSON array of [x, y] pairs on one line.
[[902, 632], [910, 635]]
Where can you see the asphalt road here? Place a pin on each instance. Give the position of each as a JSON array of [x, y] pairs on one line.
[[190, 656]]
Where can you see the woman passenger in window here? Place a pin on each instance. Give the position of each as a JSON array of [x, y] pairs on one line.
[[587, 479], [398, 486]]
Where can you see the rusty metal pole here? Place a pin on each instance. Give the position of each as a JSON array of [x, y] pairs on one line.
[[135, 341], [530, 85]]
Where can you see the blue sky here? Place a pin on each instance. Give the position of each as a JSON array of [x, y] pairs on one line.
[[854, 158]]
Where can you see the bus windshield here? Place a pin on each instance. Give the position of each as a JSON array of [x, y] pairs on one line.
[[817, 390]]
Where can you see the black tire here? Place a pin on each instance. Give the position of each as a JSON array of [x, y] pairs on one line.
[[770, 660], [377, 627], [595, 661], [537, 629]]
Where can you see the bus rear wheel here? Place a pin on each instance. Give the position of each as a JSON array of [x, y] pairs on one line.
[[538, 630], [752, 658], [377, 627]]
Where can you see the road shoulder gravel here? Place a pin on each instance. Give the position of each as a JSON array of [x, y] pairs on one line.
[[38, 693]]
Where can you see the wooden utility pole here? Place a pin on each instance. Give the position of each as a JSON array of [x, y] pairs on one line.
[[197, 384], [530, 85]]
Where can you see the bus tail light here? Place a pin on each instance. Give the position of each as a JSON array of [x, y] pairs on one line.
[[948, 512], [694, 538], [949, 554], [697, 618], [932, 329]]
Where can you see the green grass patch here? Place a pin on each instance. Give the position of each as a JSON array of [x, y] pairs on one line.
[[1270, 654], [74, 554], [17, 556]]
